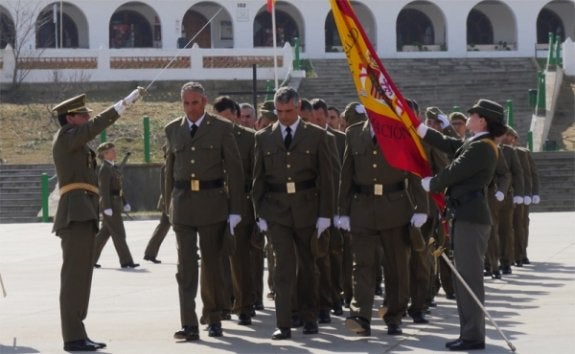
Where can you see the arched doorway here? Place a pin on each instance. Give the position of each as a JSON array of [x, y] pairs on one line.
[[286, 29], [7, 29], [549, 22], [129, 29], [193, 21], [479, 28], [414, 27], [48, 32]]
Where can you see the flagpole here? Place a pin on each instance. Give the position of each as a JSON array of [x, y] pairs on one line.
[[274, 41]]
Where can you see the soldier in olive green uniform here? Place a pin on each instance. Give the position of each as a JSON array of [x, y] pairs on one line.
[[201, 153], [240, 260], [112, 203], [466, 179], [293, 198], [377, 203], [76, 220]]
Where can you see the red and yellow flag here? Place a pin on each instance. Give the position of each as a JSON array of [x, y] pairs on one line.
[[270, 5], [393, 122]]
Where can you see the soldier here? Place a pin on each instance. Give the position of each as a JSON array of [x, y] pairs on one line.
[[334, 120], [112, 203], [458, 121], [201, 153], [76, 219], [247, 115], [377, 203], [240, 260], [466, 179], [293, 198], [267, 115]]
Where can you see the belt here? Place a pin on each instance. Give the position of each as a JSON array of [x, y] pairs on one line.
[[79, 185], [195, 185], [377, 189], [464, 198], [290, 187]]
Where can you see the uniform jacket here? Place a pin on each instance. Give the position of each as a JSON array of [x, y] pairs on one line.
[[364, 165], [245, 139], [470, 171], [515, 168], [76, 163], [502, 178], [534, 174], [110, 182], [523, 155], [212, 154], [308, 158]]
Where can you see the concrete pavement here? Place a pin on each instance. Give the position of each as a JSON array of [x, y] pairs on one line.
[[136, 311]]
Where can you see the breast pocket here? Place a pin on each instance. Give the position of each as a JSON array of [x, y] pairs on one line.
[[274, 160], [306, 157]]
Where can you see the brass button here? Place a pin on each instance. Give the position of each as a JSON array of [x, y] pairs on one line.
[[193, 175], [289, 178], [375, 152], [288, 165], [374, 165], [288, 153], [193, 148], [193, 161]]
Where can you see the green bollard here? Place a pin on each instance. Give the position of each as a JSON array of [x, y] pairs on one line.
[[147, 139], [296, 61], [103, 136], [269, 88], [532, 98], [456, 109], [558, 60], [550, 54], [530, 140], [509, 112], [45, 195], [541, 108]]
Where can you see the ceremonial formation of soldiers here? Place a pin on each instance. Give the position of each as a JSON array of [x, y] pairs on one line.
[[295, 183]]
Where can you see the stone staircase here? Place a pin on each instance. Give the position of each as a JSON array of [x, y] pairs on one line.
[[21, 192], [564, 118], [556, 181], [437, 82]]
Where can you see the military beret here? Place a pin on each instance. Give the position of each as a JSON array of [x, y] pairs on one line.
[[433, 112], [512, 131], [488, 109], [457, 116], [267, 110], [72, 105], [353, 113], [103, 147]]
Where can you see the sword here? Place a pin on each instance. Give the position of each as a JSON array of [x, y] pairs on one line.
[[2, 286]]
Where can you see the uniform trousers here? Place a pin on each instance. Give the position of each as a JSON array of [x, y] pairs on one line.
[[347, 267], [519, 234], [211, 277], [493, 245], [241, 267], [257, 252], [420, 277], [323, 272], [158, 236], [336, 262], [113, 226], [505, 226], [366, 263], [77, 241], [294, 264], [469, 246]]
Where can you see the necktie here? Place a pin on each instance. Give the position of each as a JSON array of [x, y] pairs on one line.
[[288, 137], [193, 130]]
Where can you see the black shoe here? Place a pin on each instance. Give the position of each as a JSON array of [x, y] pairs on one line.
[[152, 259], [310, 328], [450, 296], [130, 265], [252, 312], [359, 325], [215, 330], [96, 265], [188, 333], [464, 345], [271, 295], [203, 320], [432, 303], [394, 330], [487, 273], [496, 275], [419, 318], [378, 290], [281, 333], [519, 263], [506, 269], [346, 303], [296, 321], [100, 345], [324, 316], [226, 315], [244, 319], [82, 345], [526, 261], [452, 342], [259, 306]]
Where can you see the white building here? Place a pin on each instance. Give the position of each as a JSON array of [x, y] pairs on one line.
[[110, 40]]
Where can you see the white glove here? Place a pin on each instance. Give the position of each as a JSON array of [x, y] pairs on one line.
[[262, 224], [499, 196], [517, 199], [418, 219], [127, 208], [108, 212], [344, 223], [527, 200], [234, 220], [321, 225], [129, 100], [335, 220], [535, 199], [444, 120], [425, 182]]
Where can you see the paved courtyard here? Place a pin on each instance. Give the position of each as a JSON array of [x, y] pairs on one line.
[[136, 311]]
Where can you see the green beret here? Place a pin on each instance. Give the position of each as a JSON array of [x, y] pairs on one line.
[[457, 116], [353, 113], [267, 110], [72, 105], [432, 112], [103, 147]]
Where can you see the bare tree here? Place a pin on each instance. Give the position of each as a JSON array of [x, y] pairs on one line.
[[20, 33]]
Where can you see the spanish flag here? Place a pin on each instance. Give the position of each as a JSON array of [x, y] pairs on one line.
[[393, 122], [270, 5]]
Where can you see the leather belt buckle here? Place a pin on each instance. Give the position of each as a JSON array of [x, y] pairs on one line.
[[378, 189], [290, 187], [195, 185]]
